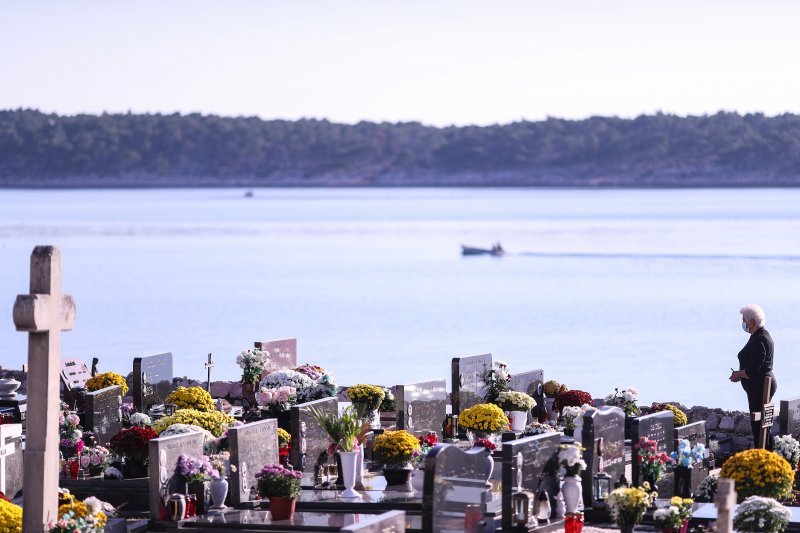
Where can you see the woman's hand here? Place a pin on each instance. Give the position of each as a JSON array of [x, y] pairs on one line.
[[737, 375]]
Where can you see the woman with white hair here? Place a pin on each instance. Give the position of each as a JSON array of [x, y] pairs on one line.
[[755, 363]]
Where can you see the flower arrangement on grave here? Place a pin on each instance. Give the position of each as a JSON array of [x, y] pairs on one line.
[[88, 512], [628, 505], [70, 441], [426, 443], [275, 480], [324, 384], [277, 400], [759, 472], [209, 441], [301, 383], [625, 399], [194, 469], [679, 418], [674, 516], [395, 448], [221, 464], [10, 517], [495, 380], [568, 416], [572, 398], [284, 444], [106, 379], [686, 456], [761, 515], [515, 401], [365, 398], [570, 460], [191, 398], [345, 430], [483, 442], [95, 459], [652, 463], [252, 363], [553, 388], [132, 443], [215, 422], [789, 448], [140, 419], [707, 488], [537, 428], [389, 403], [483, 418]]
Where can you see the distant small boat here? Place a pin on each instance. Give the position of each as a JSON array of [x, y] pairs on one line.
[[248, 194], [495, 250]]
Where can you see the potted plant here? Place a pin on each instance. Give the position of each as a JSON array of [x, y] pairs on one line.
[[196, 398], [366, 401], [759, 472], [675, 517], [551, 390], [132, 444], [763, 515], [345, 431], [652, 463], [282, 486], [519, 405], [571, 463], [194, 471], [396, 450], [483, 421], [277, 403], [252, 363], [628, 505], [569, 415], [685, 458], [323, 384], [106, 379], [94, 459]]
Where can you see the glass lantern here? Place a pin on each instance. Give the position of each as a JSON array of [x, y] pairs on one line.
[[602, 486]]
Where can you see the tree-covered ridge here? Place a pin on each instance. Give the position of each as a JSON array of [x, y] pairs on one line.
[[128, 149]]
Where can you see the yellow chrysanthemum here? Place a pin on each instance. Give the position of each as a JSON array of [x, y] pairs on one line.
[[214, 421], [283, 437], [106, 379], [395, 447], [484, 417], [10, 517], [191, 398], [759, 472]]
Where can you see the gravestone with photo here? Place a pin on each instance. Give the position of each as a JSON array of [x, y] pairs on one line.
[[11, 466], [658, 427], [531, 384], [696, 434], [74, 375], [252, 446], [467, 380], [529, 464], [421, 407], [309, 440], [102, 413], [152, 380], [790, 417], [603, 441], [163, 477], [282, 354]]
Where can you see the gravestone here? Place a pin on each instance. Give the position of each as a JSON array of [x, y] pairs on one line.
[[467, 385], [530, 464], [309, 440], [388, 522], [152, 380], [44, 314], [421, 407], [658, 427], [603, 428], [696, 434], [282, 354], [252, 446], [790, 417], [11, 459], [531, 384], [454, 479], [74, 375], [163, 478], [102, 413]]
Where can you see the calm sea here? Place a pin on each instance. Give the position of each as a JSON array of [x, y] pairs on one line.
[[601, 289]]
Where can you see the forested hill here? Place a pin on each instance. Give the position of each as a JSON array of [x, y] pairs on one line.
[[726, 149]]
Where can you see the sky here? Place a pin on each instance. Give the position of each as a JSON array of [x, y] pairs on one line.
[[438, 62]]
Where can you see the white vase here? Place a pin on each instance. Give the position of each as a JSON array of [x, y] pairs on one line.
[[577, 434], [219, 490], [349, 474], [519, 419], [572, 489], [418, 481], [360, 465], [375, 420]]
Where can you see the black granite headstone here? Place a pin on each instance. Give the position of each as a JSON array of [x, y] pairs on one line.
[[530, 464], [467, 386], [252, 446], [658, 427], [163, 478], [11, 459], [696, 434], [17, 407], [790, 417], [152, 380], [603, 434], [421, 407], [102, 413], [309, 440]]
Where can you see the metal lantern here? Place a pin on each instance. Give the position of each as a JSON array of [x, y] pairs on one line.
[[522, 503], [602, 486]]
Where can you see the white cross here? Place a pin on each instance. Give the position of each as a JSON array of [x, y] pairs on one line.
[[7, 432], [43, 313], [725, 499]]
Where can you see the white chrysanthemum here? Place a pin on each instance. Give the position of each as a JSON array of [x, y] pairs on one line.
[[140, 419]]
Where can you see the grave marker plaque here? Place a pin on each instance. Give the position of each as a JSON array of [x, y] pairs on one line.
[[252, 446], [530, 463], [658, 427], [282, 354], [309, 440], [467, 384], [102, 413], [421, 407], [152, 380], [606, 423], [163, 478], [790, 417]]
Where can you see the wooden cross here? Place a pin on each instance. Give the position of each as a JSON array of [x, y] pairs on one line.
[[209, 365], [767, 415], [725, 500], [43, 313]]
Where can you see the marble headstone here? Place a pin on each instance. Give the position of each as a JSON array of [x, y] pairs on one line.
[[790, 417], [164, 453], [74, 374], [102, 413], [467, 384], [695, 433], [421, 407], [10, 459], [531, 464], [282, 354], [530, 383], [603, 432], [309, 440], [152, 380], [388, 522], [252, 446], [658, 427]]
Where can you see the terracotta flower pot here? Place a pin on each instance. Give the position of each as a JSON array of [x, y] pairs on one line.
[[281, 508]]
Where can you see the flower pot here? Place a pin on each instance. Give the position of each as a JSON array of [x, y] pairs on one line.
[[519, 419], [281, 508], [397, 476], [418, 480], [219, 490], [349, 474], [360, 464], [572, 489], [134, 470], [627, 529]]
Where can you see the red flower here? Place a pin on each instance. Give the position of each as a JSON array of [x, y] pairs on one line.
[[572, 398], [132, 442], [486, 443]]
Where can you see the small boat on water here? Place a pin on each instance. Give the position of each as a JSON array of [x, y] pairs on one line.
[[248, 194], [495, 250]]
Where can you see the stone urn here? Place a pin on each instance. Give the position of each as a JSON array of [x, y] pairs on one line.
[[8, 387]]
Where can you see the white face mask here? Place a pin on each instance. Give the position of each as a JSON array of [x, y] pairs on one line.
[[745, 328]]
